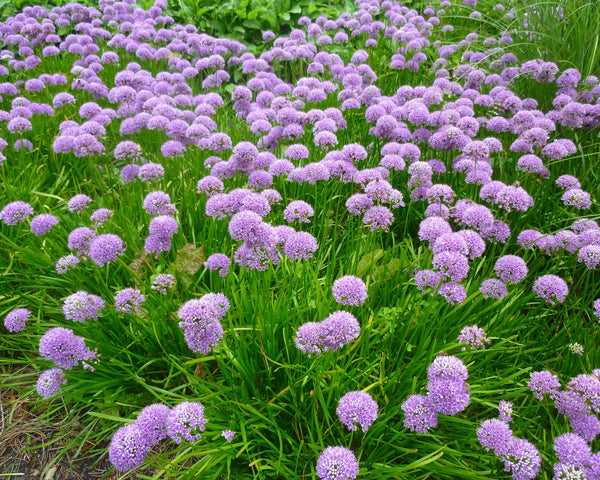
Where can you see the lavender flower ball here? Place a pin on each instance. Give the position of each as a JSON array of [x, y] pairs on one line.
[[544, 383], [473, 337], [577, 198], [163, 283], [16, 320], [298, 211], [349, 290], [337, 463], [61, 346], [494, 435], [186, 421], [129, 300], [42, 224], [493, 288], [218, 261], [106, 248], [101, 216], [357, 407], [418, 416], [79, 203], [597, 307], [378, 218], [152, 421], [551, 288], [128, 447], [163, 225], [49, 382], [511, 268], [300, 245], [82, 306], [15, 212], [228, 435], [66, 263]]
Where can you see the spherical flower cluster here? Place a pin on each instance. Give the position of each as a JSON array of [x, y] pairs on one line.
[[163, 282], [551, 288], [298, 211], [66, 263], [220, 262], [201, 321], [61, 346], [473, 337], [511, 268], [42, 224], [49, 382], [544, 383], [129, 300], [15, 212], [493, 288], [185, 422], [79, 203], [357, 407], [577, 198], [106, 248], [337, 330], [16, 319], [337, 463], [82, 306], [349, 290], [101, 216], [300, 245], [378, 218], [228, 435], [128, 447]]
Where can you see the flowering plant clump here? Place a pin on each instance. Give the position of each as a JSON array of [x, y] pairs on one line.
[[422, 150]]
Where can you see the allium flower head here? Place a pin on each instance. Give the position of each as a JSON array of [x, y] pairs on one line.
[[570, 448], [357, 407], [101, 216], [66, 263], [447, 367], [337, 463], [163, 225], [82, 306], [61, 346], [494, 435], [505, 411], [298, 211], [186, 421], [16, 319], [15, 212], [522, 459], [152, 421], [577, 198], [128, 447], [551, 288], [228, 435], [158, 203], [220, 262], [418, 416], [42, 224], [378, 218], [337, 330], [473, 337], [49, 382], [511, 268], [79, 203], [300, 245], [349, 290], [129, 300], [493, 288], [201, 321], [163, 282], [543, 383], [106, 248]]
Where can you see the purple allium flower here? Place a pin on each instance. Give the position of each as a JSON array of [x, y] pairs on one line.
[[447, 367], [337, 463], [473, 337], [152, 421], [474, 241], [16, 319], [64, 264], [298, 211], [129, 300], [432, 228], [61, 346], [106, 248], [130, 172], [511, 268], [513, 198], [15, 212], [505, 411], [452, 265], [218, 261], [358, 203], [49, 382], [296, 151], [447, 396], [453, 292], [158, 203], [128, 447], [163, 282], [201, 321], [522, 459], [151, 171], [571, 449], [228, 435], [495, 435], [349, 290], [577, 198], [551, 288], [493, 288], [41, 224], [418, 415], [590, 255], [567, 182], [542, 383], [82, 306], [300, 245], [337, 330], [163, 225], [378, 218], [357, 407], [79, 203], [186, 421], [101, 216], [597, 307], [427, 279], [210, 185], [260, 179], [248, 226], [127, 150]]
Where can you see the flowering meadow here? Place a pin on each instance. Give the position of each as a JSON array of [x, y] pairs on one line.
[[367, 249]]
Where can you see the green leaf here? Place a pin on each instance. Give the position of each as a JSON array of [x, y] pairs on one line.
[[367, 261], [190, 259], [295, 9]]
